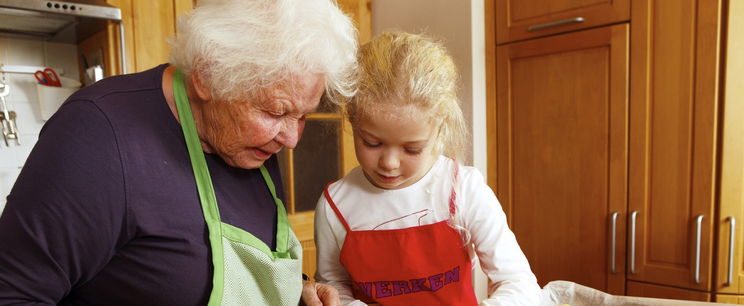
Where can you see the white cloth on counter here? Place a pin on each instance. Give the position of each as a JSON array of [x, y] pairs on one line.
[[366, 207], [573, 294]]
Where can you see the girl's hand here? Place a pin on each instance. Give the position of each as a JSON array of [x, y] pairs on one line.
[[317, 294]]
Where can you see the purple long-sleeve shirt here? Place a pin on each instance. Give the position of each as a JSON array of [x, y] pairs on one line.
[[106, 211]]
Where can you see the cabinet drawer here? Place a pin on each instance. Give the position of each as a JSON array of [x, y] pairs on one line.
[[523, 19]]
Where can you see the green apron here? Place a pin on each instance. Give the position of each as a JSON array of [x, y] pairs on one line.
[[246, 271]]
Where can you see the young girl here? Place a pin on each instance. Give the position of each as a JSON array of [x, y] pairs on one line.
[[401, 228]]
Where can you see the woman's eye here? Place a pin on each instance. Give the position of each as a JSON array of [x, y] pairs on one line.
[[276, 114]]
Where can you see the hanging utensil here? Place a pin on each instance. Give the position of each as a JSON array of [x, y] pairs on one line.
[[47, 77], [7, 117]]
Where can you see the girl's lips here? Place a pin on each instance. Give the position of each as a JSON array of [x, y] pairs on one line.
[[388, 179]]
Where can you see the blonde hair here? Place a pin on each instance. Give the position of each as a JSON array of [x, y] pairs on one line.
[[239, 47], [403, 69]]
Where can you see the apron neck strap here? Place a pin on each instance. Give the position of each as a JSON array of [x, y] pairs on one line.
[[201, 171]]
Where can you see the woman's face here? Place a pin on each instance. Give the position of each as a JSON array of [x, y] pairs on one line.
[[247, 133]]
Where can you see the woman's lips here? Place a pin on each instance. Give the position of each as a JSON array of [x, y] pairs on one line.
[[261, 154]]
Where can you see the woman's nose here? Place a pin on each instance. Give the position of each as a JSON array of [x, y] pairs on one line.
[[290, 133]]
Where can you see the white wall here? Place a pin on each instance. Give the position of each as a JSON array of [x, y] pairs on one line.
[[460, 25], [23, 98]]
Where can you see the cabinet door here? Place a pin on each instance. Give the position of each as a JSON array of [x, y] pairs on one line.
[[730, 276], [562, 133], [674, 93], [522, 19], [664, 292]]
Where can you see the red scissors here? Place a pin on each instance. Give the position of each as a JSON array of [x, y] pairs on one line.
[[47, 77]]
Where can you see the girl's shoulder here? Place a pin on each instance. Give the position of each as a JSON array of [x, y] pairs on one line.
[[353, 180], [465, 174]]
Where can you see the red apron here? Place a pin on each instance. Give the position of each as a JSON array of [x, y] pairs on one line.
[[421, 265]]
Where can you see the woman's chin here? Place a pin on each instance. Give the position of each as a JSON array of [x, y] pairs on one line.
[[246, 160]]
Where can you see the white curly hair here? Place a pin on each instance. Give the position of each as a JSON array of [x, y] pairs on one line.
[[238, 47]]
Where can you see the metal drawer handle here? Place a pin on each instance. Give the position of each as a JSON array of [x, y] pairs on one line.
[[732, 233], [555, 23], [612, 253], [633, 216], [698, 229]]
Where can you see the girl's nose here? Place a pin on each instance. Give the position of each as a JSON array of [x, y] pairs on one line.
[[389, 160]]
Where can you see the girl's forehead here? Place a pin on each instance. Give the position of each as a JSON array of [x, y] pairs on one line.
[[396, 111]]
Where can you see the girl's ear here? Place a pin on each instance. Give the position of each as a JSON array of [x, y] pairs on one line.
[[201, 90]]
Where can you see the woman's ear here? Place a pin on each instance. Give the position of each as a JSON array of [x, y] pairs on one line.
[[201, 90]]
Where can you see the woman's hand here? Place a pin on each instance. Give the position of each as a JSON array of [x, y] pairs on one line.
[[317, 294]]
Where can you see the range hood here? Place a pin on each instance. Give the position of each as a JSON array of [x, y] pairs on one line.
[[60, 21], [70, 21]]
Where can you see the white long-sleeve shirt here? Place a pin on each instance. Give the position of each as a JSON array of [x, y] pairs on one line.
[[367, 207]]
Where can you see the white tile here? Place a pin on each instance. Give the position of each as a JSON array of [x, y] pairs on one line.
[[28, 116], [22, 87], [3, 50], [63, 56], [7, 179], [8, 154], [24, 149], [25, 52]]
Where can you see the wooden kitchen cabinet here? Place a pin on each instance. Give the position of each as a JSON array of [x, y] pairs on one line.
[[524, 19], [680, 160], [562, 129], [730, 221], [674, 102]]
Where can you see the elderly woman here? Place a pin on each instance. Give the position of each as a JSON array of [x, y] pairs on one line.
[[162, 187]]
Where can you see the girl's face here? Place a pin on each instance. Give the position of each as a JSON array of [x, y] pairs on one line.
[[395, 151]]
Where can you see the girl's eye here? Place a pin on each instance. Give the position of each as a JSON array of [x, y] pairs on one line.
[[414, 151], [369, 144]]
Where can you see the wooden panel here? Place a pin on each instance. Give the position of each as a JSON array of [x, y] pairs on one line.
[[672, 138], [664, 292], [302, 225], [562, 124], [515, 17], [153, 23], [729, 299], [731, 193], [360, 12], [182, 6]]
